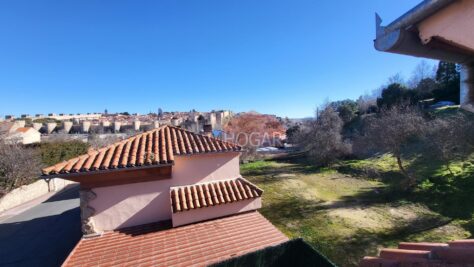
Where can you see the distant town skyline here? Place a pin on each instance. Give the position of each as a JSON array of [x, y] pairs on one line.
[[276, 57]]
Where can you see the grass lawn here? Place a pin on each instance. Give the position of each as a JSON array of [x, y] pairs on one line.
[[355, 207]]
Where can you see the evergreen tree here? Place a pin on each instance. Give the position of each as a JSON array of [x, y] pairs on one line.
[[396, 94], [448, 79]]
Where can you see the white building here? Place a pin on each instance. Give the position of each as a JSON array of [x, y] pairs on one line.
[[16, 132]]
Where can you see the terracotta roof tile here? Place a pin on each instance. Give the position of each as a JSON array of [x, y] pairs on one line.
[[196, 196], [455, 253], [155, 147], [197, 244], [23, 129]]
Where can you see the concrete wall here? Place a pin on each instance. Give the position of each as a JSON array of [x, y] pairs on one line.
[[29, 192], [140, 203], [202, 214]]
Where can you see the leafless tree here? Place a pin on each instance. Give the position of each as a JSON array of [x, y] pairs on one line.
[[450, 138], [365, 102], [392, 130], [422, 71], [322, 138], [444, 139], [397, 78], [18, 166], [97, 141]]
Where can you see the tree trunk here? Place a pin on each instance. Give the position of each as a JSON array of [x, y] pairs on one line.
[[448, 167], [410, 181]]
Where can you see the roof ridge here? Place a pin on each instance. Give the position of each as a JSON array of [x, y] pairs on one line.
[[154, 147]]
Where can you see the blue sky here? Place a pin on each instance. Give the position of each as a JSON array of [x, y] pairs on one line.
[[280, 57]]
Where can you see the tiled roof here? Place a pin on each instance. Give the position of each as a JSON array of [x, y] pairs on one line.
[[155, 147], [197, 244], [23, 129], [453, 254], [196, 196]]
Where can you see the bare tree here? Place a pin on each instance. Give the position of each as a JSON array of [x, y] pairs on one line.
[[449, 138], [18, 166], [97, 141], [422, 71], [365, 103], [321, 138], [392, 130], [396, 78]]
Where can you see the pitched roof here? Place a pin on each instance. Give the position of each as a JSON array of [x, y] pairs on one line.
[[155, 147], [202, 195], [455, 253], [23, 129], [197, 244]]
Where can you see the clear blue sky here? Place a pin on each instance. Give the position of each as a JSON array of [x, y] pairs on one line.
[[280, 57]]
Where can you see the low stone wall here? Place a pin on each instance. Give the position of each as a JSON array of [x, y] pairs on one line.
[[32, 191]]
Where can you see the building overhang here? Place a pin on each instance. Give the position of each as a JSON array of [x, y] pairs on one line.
[[422, 32], [111, 177]]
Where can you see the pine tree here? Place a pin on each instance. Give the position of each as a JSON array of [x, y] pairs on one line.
[[448, 79]]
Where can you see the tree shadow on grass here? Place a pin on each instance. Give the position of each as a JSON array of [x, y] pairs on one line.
[[364, 242], [449, 195], [306, 217]]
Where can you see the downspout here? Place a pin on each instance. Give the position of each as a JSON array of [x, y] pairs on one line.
[[467, 87]]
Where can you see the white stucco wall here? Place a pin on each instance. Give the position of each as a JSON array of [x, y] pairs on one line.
[[140, 203]]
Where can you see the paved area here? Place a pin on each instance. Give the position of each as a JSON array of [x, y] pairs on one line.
[[42, 235]]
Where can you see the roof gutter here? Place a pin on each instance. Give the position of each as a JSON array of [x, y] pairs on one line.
[[401, 36], [417, 14]]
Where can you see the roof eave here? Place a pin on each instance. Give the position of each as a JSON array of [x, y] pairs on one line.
[[401, 36], [118, 169], [416, 14], [406, 42]]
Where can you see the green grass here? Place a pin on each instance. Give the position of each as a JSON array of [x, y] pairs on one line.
[[354, 208]]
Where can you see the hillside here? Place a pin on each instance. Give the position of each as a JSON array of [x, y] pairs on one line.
[[355, 207]]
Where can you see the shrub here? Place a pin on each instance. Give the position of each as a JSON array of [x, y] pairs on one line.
[[392, 130], [19, 166], [322, 139], [54, 152]]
